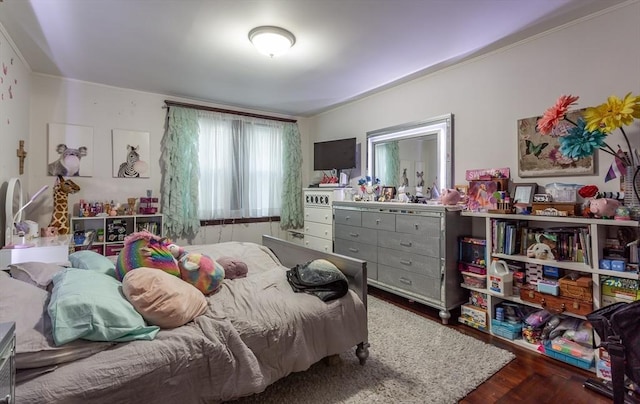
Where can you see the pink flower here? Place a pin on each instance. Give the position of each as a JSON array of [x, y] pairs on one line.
[[554, 114]]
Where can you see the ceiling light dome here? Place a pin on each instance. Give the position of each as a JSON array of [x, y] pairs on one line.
[[271, 41]]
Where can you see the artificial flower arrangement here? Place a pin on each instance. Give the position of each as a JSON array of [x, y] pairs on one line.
[[581, 139]]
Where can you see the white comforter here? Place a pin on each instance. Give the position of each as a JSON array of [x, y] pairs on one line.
[[255, 331]]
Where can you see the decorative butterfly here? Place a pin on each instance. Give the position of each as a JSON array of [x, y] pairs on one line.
[[535, 149]]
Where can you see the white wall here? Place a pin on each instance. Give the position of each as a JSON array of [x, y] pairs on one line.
[[104, 108], [15, 89], [591, 58]]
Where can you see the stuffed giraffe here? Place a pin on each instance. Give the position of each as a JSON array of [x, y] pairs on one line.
[[61, 191]]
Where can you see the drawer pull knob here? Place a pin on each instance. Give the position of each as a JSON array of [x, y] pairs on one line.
[[353, 249], [416, 225], [405, 281], [347, 217], [405, 262], [406, 243], [377, 221], [354, 234]]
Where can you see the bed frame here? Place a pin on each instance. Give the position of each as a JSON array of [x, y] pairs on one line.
[[291, 254]]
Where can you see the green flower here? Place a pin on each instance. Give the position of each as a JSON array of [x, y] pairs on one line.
[[580, 142]]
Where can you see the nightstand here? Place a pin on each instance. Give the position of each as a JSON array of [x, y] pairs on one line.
[[7, 363], [45, 249]]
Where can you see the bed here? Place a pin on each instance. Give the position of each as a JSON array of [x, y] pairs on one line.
[[255, 331]]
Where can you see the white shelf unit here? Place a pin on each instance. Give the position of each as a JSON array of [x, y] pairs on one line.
[[599, 230], [114, 229]]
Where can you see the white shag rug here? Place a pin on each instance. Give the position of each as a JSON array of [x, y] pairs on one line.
[[411, 360]]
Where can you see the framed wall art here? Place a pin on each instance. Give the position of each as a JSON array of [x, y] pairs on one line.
[[70, 152], [130, 154], [539, 155]]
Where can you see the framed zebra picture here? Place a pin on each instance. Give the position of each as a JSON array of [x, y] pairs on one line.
[[130, 154]]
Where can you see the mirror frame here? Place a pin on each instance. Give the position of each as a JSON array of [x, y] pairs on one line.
[[441, 126]]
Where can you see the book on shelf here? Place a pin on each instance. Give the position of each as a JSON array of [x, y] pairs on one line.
[[570, 243]]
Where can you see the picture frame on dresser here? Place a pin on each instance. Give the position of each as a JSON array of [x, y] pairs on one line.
[[523, 193]]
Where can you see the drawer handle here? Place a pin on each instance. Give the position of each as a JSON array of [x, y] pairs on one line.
[[377, 221], [416, 225], [347, 217], [405, 262], [354, 234], [353, 249], [405, 281], [406, 243]]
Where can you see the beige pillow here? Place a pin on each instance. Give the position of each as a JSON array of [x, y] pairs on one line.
[[26, 305], [163, 299]]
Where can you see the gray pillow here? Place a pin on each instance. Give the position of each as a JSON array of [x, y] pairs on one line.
[[26, 305], [35, 273]]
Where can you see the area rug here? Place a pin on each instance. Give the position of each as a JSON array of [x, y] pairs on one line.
[[412, 360]]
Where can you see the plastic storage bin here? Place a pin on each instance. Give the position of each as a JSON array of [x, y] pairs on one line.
[[507, 330], [562, 349], [474, 280]]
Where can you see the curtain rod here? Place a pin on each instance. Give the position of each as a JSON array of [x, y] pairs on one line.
[[227, 111]]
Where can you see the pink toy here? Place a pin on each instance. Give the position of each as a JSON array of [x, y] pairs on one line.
[[450, 197], [603, 207]]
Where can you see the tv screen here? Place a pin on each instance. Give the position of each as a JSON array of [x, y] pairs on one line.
[[334, 154]]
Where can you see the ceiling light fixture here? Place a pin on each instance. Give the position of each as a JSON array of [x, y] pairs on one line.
[[271, 41]]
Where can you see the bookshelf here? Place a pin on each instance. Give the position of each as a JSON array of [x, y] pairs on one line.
[[586, 244], [108, 232]]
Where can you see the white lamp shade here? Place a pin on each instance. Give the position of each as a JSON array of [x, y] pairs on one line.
[[271, 41]]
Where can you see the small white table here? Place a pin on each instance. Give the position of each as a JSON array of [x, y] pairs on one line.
[[44, 249]]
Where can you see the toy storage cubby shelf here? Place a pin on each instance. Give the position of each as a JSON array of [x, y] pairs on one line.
[[110, 231], [599, 231]]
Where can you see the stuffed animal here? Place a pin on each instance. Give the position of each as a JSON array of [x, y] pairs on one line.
[[540, 251], [201, 271], [145, 249], [603, 207], [450, 197], [233, 267]]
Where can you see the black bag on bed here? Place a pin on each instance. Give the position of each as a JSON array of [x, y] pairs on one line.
[[320, 278]]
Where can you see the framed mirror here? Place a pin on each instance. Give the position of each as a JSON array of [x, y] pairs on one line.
[[417, 154]]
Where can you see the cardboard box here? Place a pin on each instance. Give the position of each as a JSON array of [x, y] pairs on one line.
[[626, 289], [474, 315]]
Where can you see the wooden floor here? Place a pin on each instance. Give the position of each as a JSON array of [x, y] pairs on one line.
[[530, 378]]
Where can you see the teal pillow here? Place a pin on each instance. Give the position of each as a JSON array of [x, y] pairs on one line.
[[87, 259], [90, 305]]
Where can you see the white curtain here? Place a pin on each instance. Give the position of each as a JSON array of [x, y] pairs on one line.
[[241, 169]]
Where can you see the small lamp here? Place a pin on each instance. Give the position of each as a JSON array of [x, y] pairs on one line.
[[271, 41], [13, 224]]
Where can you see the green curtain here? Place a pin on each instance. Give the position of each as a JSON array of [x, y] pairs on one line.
[[291, 216], [181, 173], [388, 163]]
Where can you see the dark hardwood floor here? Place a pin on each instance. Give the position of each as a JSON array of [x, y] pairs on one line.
[[530, 378]]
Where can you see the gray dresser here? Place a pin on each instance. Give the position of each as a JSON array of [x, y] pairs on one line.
[[411, 249]]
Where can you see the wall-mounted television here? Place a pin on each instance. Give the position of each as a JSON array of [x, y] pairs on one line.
[[334, 154]]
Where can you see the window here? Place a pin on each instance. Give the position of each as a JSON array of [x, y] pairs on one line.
[[241, 166]]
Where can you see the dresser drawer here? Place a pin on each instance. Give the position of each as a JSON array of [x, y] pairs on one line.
[[347, 216], [317, 243], [365, 252], [319, 215], [318, 230], [410, 243], [378, 220], [415, 224], [359, 234], [419, 284], [418, 264]]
